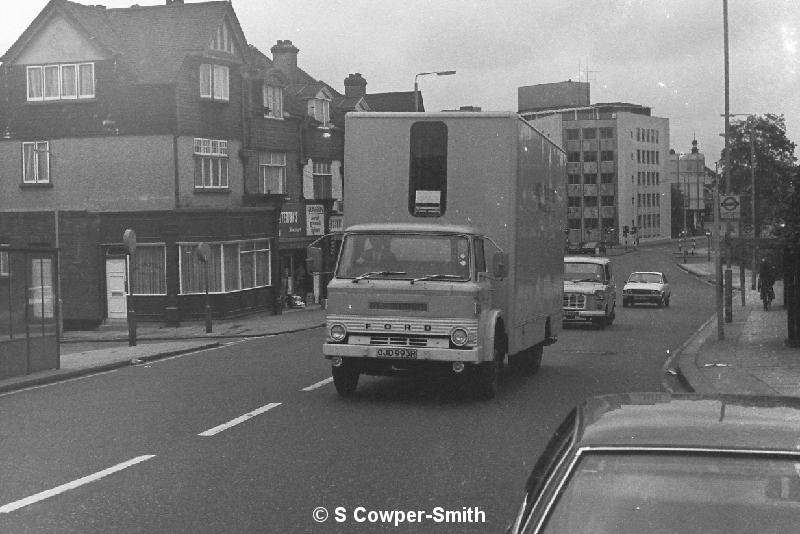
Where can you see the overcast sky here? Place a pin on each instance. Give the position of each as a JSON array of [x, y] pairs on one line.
[[667, 54]]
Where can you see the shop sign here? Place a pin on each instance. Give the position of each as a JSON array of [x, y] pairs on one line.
[[336, 224], [292, 221], [315, 219]]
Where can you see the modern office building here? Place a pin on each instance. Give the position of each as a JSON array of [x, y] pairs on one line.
[[617, 157]]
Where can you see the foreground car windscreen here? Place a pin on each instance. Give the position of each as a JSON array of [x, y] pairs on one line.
[[645, 278], [583, 272], [679, 493]]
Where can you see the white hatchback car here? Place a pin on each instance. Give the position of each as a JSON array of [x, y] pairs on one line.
[[646, 287]]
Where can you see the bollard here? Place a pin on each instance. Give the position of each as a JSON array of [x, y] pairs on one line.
[[208, 318], [685, 256], [728, 295], [742, 282], [131, 328]]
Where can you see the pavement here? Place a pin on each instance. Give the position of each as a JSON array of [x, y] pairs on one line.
[[753, 357]]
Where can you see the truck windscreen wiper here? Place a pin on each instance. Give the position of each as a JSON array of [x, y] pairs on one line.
[[437, 277], [376, 273]]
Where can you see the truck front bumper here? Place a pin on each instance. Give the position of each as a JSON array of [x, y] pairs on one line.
[[473, 355], [577, 315]]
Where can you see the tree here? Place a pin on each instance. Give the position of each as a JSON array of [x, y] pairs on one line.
[[775, 166]]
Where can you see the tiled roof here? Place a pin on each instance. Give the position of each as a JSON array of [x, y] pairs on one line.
[[151, 41]]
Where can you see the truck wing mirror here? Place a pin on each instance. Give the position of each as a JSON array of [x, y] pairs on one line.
[[314, 260], [500, 265]]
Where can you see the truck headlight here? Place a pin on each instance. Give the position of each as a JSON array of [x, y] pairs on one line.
[[337, 332], [459, 337], [599, 295]]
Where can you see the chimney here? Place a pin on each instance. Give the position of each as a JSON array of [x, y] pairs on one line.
[[355, 86], [284, 56]]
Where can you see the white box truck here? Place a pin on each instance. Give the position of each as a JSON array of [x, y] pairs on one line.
[[452, 253]]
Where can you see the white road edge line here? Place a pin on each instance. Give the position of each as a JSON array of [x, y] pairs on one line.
[[240, 419], [51, 384], [10, 507], [319, 384]]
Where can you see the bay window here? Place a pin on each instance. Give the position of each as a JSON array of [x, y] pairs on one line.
[[231, 266]]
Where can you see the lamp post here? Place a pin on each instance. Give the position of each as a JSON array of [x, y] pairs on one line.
[[416, 86]]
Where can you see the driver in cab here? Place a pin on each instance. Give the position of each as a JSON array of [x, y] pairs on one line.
[[376, 256]]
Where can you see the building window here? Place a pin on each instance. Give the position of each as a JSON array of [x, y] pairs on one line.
[[210, 164], [4, 267], [272, 172], [574, 202], [323, 179], [574, 179], [590, 178], [573, 156], [589, 133], [590, 156], [60, 82], [222, 40], [273, 101], [427, 179], [607, 200], [232, 266], [607, 133], [590, 201], [607, 178], [638, 156], [606, 155], [320, 110], [572, 134], [36, 162], [149, 270], [214, 82]]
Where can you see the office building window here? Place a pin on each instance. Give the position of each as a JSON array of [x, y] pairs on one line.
[[606, 155], [590, 178], [572, 134], [607, 133], [590, 156], [573, 156], [607, 178], [607, 200], [589, 133], [574, 202], [574, 179], [590, 201]]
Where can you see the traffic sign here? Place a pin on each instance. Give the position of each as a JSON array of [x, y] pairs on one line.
[[747, 230], [729, 207]]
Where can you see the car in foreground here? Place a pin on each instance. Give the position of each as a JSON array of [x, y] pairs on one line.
[[589, 291], [661, 463], [646, 286]]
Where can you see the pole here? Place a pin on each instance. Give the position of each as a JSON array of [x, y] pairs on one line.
[[718, 263], [742, 281], [131, 314], [207, 306], [416, 94], [753, 201]]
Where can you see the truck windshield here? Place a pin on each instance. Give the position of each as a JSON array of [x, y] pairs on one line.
[[583, 272], [405, 256]]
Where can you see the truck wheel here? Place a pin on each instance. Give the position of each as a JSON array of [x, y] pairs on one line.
[[345, 378]]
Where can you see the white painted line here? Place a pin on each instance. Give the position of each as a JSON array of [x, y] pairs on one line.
[[240, 419], [10, 507], [319, 384], [51, 384]]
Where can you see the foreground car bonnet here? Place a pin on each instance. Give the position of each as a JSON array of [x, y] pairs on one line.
[[674, 420]]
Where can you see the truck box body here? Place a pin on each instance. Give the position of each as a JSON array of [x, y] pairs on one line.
[[488, 177]]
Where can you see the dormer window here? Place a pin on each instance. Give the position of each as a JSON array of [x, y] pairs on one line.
[[273, 101], [214, 82], [320, 110], [222, 40], [69, 81]]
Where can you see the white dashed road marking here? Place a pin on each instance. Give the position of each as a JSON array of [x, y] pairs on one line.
[[240, 419], [319, 384], [10, 507]]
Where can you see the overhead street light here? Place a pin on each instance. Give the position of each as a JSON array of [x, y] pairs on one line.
[[416, 86]]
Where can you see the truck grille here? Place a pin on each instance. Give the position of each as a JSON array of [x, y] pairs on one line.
[[574, 301], [410, 341]]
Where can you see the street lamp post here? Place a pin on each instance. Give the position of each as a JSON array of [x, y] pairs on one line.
[[416, 86]]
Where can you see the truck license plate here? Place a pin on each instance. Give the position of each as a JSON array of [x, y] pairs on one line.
[[397, 353]]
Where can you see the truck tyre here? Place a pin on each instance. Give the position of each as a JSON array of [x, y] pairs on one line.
[[487, 374], [345, 378]]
